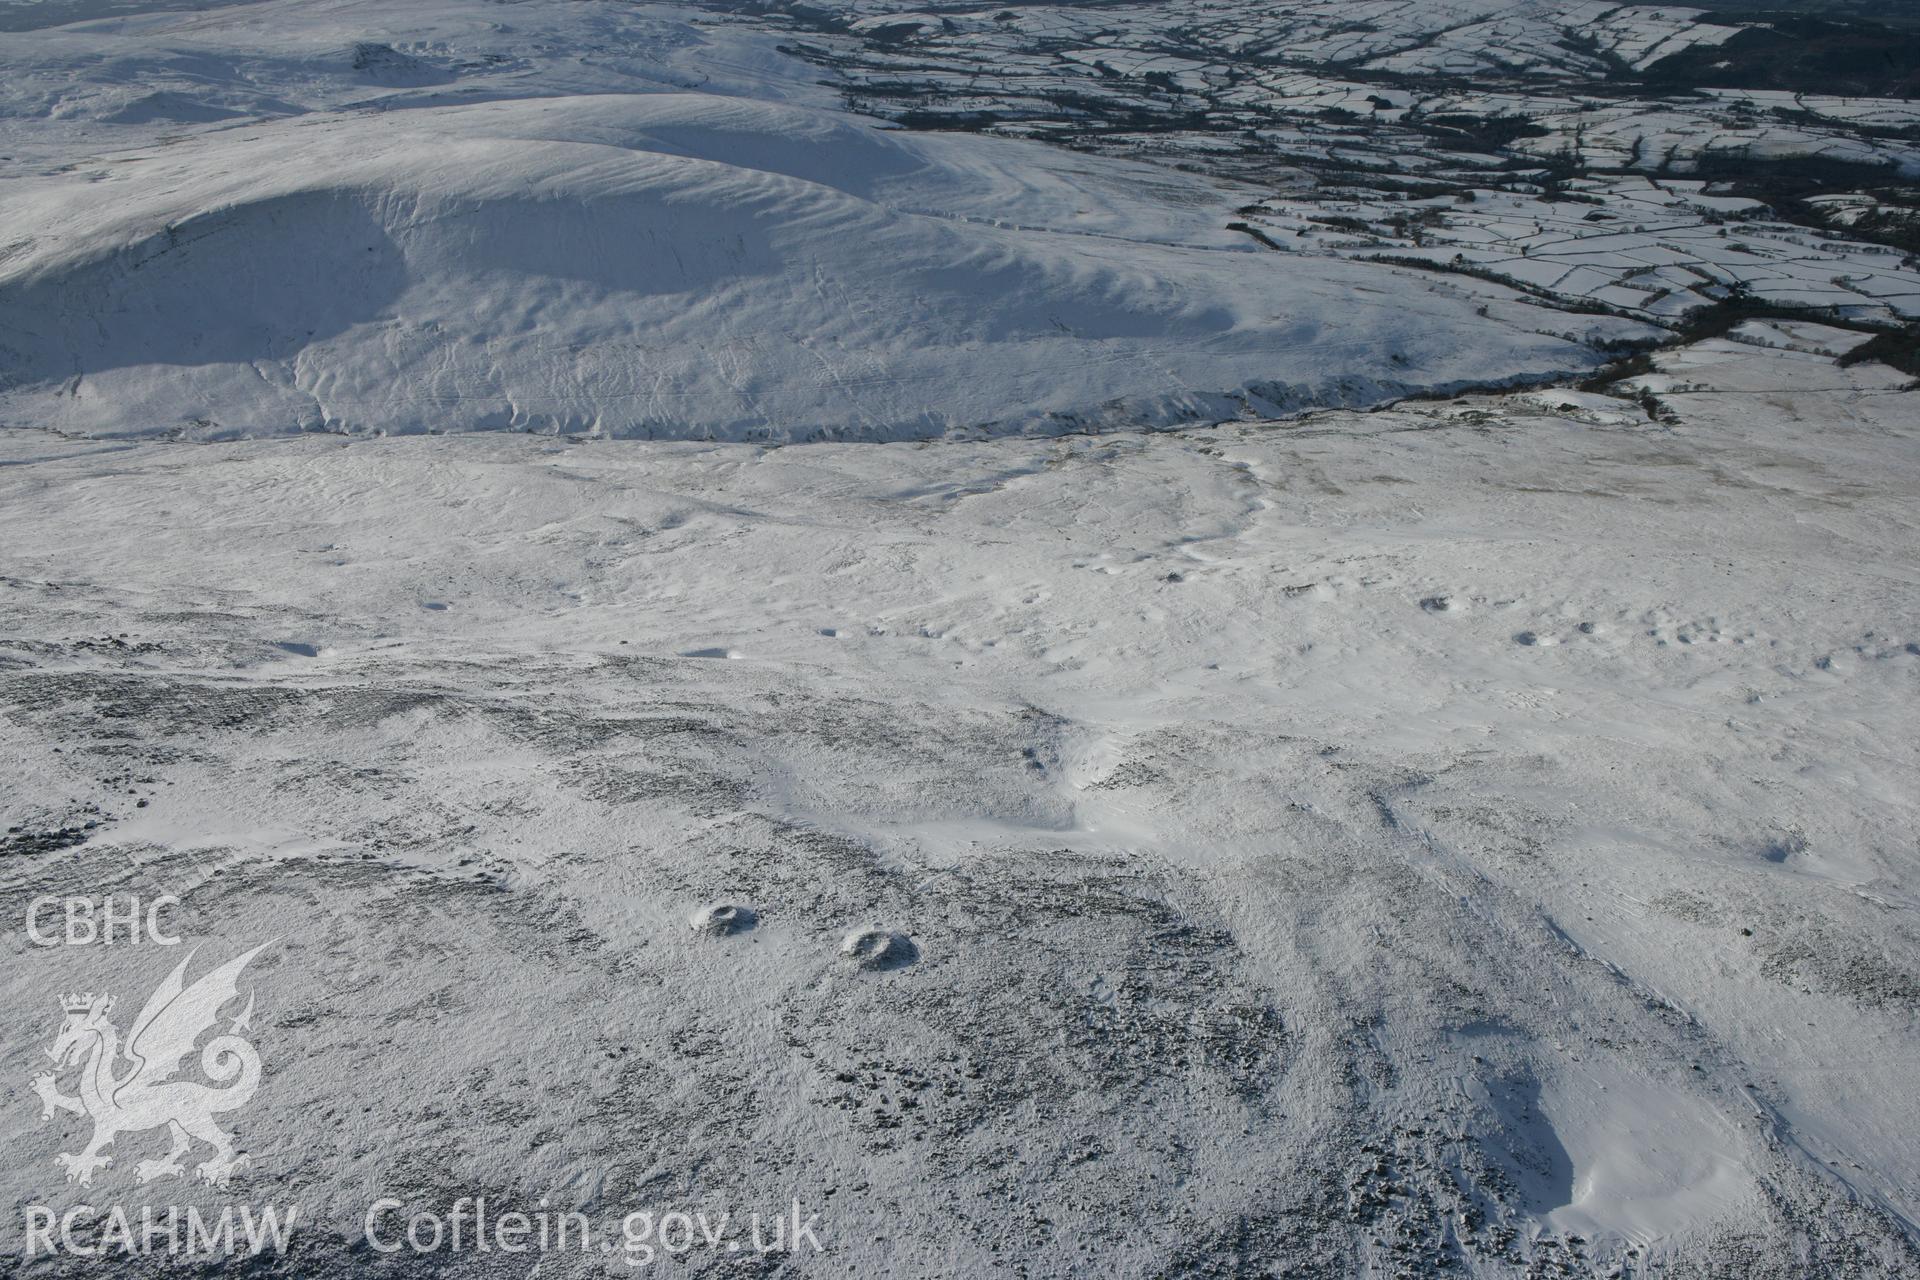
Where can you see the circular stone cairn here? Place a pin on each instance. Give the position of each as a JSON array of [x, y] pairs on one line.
[[721, 918], [878, 948]]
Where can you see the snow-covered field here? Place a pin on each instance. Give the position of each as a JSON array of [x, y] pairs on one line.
[[1087, 811]]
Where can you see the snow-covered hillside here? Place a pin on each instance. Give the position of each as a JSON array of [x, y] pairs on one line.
[[1200, 639], [628, 220], [1472, 839], [648, 263]]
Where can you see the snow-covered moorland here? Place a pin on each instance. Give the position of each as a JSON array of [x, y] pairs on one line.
[[1139, 713], [1478, 833]]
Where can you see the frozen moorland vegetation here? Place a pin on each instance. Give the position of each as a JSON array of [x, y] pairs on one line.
[[1201, 639]]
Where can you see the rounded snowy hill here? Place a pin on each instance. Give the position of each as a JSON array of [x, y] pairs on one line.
[[685, 265]]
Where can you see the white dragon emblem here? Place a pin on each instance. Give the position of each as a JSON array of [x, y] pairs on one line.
[[145, 1095]]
